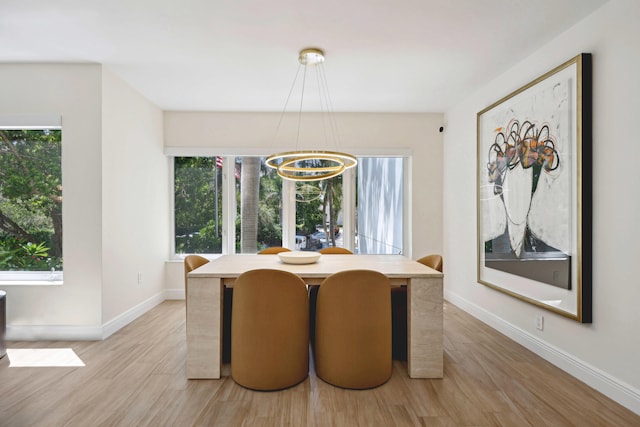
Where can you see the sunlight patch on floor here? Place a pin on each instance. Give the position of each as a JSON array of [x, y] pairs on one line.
[[42, 357]]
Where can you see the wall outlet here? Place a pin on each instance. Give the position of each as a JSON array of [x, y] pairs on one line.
[[139, 277], [540, 322]]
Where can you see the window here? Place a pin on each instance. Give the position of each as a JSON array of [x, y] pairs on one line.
[[30, 203], [198, 205], [259, 209], [380, 205], [235, 204], [318, 219], [199, 201]]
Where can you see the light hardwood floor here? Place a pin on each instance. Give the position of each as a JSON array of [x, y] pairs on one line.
[[137, 378]]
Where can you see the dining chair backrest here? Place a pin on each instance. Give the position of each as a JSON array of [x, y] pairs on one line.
[[335, 250], [434, 261], [269, 330], [313, 291], [191, 262], [273, 250], [353, 329]]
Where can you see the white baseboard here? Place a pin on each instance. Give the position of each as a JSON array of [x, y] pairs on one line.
[[119, 322], [617, 390], [53, 333], [83, 333]]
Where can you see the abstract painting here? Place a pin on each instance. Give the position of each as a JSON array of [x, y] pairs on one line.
[[534, 191]]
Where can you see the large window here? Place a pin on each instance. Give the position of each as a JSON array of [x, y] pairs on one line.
[[255, 204], [198, 205], [235, 204], [259, 205], [380, 201], [30, 203]]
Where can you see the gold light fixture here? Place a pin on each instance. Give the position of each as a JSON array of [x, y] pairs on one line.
[[311, 165]]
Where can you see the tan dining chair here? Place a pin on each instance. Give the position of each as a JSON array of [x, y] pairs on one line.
[[191, 262], [270, 330], [273, 250], [434, 261], [399, 309], [335, 250], [313, 291], [353, 329]]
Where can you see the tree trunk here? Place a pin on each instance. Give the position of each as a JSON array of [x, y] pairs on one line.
[[325, 215], [10, 227], [56, 217], [249, 189], [332, 213]]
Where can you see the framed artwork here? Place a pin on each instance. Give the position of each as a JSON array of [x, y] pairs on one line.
[[534, 191]]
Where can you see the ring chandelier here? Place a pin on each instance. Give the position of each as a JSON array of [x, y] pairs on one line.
[[310, 165]]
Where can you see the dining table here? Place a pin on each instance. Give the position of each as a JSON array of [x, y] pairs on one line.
[[204, 295]]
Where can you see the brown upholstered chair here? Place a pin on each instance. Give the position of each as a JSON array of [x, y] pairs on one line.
[[273, 250], [191, 262], [434, 261], [399, 309], [353, 329], [270, 330], [313, 291], [335, 250]]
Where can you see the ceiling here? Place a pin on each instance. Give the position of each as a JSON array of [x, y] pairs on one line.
[[241, 55]]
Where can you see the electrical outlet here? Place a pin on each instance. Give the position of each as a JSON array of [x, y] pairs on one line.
[[139, 277], [540, 322]]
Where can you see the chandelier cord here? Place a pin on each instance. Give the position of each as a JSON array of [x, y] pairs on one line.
[[333, 126], [323, 104], [304, 82], [286, 104]]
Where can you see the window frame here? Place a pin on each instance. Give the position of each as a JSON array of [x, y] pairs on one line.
[[288, 188], [32, 122]]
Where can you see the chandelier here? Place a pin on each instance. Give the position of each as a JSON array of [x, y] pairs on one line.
[[311, 165]]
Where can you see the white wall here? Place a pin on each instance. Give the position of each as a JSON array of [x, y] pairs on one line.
[[359, 133], [604, 353], [135, 191], [115, 208], [74, 92]]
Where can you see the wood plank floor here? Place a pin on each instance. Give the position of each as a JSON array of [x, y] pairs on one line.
[[137, 378]]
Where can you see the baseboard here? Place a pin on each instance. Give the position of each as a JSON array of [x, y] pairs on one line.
[[53, 333], [83, 333], [617, 390], [119, 322]]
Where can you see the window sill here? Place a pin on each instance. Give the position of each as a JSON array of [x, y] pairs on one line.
[[181, 257], [30, 278], [30, 283]]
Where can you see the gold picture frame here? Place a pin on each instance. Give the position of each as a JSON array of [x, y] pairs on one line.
[[534, 167]]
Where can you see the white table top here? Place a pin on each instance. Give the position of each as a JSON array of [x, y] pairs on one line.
[[393, 266]]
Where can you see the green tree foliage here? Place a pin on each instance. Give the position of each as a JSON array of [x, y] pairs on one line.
[[319, 203], [259, 201], [30, 199], [308, 207], [195, 205], [269, 207], [318, 209]]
